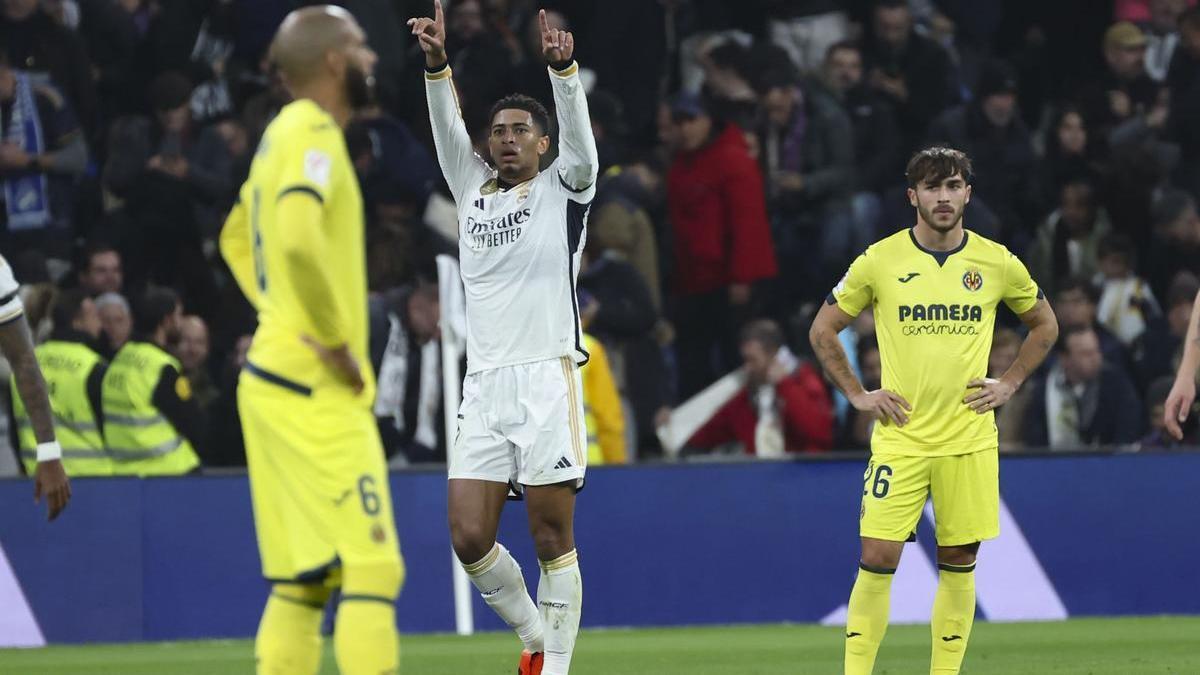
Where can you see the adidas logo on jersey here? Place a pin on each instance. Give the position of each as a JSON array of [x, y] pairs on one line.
[[563, 463], [479, 203]]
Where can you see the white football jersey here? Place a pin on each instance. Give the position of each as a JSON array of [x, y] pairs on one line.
[[519, 248], [10, 297]]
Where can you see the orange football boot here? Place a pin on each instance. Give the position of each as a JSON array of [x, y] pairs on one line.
[[531, 663]]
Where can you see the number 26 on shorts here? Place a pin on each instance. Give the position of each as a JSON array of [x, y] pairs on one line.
[[875, 480]]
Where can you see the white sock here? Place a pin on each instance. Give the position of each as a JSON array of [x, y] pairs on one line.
[[498, 578], [560, 601]]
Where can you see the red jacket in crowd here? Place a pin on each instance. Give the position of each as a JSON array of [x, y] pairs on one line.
[[719, 216], [804, 409]]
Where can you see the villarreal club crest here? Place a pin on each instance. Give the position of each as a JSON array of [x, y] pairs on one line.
[[972, 279]]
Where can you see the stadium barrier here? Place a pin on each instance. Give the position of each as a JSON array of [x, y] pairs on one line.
[[175, 558]]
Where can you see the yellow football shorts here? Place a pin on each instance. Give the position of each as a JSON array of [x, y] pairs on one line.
[[965, 491], [318, 481]]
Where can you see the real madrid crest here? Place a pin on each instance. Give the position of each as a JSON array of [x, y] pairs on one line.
[[972, 279], [489, 187]]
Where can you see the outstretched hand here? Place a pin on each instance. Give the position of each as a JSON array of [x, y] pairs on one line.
[[431, 33], [558, 46]]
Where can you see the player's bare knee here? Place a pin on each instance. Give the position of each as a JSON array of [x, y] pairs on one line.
[[471, 540], [958, 555], [551, 539], [881, 554]]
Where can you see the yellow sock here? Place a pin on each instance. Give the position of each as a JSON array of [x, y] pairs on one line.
[[867, 618], [953, 616], [289, 635], [364, 636]]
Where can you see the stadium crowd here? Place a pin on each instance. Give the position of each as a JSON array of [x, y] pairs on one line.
[[749, 151]]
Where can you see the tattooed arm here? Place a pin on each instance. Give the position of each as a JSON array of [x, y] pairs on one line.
[[885, 405], [17, 345], [990, 393]]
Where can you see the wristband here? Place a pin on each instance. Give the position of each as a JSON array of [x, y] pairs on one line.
[[48, 452]]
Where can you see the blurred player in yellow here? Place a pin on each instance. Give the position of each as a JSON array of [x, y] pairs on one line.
[[935, 288], [295, 243]]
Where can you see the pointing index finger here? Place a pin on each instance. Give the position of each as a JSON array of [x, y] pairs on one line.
[[437, 13]]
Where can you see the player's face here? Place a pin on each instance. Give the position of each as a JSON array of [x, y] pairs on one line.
[[940, 204], [88, 320], [516, 144]]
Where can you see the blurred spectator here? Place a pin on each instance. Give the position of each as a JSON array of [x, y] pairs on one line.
[[1126, 301], [42, 152], [602, 406], [1156, 353], [1076, 303], [1183, 78], [1125, 103], [101, 271], [1157, 437], [806, 29], [1006, 344], [1067, 243], [482, 64], [193, 356], [226, 447], [784, 407], [859, 425], [116, 322], [1162, 36], [877, 161], [620, 222], [912, 72], [1176, 240], [722, 241], [1082, 401], [51, 53], [529, 74], [73, 372], [991, 132], [153, 425], [407, 357], [1071, 154], [175, 179], [808, 159]]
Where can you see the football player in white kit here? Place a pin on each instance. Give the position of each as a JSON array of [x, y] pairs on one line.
[[16, 343], [521, 232]]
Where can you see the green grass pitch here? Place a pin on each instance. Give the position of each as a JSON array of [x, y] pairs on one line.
[[1141, 646]]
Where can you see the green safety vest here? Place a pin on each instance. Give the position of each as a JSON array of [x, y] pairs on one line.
[[66, 367], [140, 439]]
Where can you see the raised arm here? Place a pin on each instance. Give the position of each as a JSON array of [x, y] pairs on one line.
[[456, 155], [578, 161]]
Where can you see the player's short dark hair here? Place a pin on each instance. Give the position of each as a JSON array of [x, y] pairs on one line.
[[1064, 337], [67, 307], [843, 45], [1081, 284], [531, 105], [936, 164], [154, 305], [763, 331]]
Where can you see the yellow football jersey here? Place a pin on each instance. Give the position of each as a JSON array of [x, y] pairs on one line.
[[302, 155], [934, 314]]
